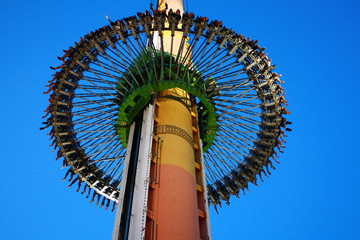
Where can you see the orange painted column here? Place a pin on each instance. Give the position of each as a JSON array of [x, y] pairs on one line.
[[173, 206], [176, 208]]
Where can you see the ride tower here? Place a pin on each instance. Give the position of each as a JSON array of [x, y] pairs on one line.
[[173, 199], [161, 114]]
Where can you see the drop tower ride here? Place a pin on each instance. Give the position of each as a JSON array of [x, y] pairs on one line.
[[162, 113]]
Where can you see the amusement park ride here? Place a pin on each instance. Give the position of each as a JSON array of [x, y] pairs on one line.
[[162, 114]]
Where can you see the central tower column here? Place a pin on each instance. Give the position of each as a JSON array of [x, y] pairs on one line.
[[173, 196], [176, 207]]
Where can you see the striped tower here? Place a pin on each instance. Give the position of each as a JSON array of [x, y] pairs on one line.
[[164, 186]]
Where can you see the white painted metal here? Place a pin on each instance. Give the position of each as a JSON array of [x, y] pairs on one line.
[[139, 205], [205, 190], [140, 195], [116, 229]]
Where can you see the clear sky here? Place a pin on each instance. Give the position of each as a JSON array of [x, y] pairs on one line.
[[313, 194]]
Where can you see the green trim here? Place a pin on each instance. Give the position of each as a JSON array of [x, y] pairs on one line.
[[140, 96]]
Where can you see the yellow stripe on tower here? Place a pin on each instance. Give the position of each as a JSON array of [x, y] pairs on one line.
[[173, 211], [176, 149], [176, 211]]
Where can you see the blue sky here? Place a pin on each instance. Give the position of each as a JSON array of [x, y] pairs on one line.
[[313, 194]]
